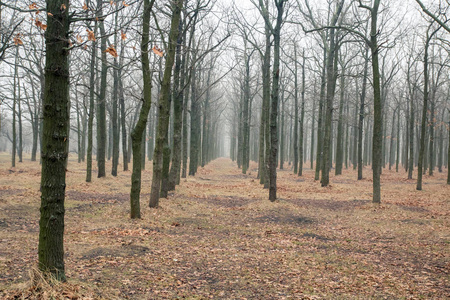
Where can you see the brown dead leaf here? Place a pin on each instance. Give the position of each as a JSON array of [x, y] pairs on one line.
[[111, 50], [91, 35], [18, 40], [33, 6], [157, 51]]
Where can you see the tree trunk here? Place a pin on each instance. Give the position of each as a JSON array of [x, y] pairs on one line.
[[340, 134], [78, 132], [411, 138], [93, 62], [441, 143], [361, 117], [101, 111], [319, 154], [391, 144], [313, 113], [302, 120], [378, 118], [424, 116], [274, 105], [397, 161], [14, 135], [296, 120], [115, 107], [179, 80], [431, 151], [163, 104], [56, 124], [19, 117], [125, 152], [266, 103], [185, 134], [448, 154], [245, 116], [346, 148], [137, 133], [331, 87]]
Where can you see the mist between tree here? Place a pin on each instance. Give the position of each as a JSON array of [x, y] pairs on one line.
[[328, 86]]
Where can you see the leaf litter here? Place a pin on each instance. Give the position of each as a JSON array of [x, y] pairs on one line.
[[218, 237]]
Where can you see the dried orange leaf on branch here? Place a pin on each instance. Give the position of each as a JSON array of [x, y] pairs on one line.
[[85, 7], [63, 7], [33, 6], [157, 51], [123, 35], [50, 14], [111, 50], [40, 24], [79, 39], [91, 35], [18, 40], [124, 4]]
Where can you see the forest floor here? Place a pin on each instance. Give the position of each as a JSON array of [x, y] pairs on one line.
[[219, 237]]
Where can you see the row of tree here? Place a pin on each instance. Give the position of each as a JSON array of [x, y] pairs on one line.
[[341, 83], [97, 79], [352, 91]]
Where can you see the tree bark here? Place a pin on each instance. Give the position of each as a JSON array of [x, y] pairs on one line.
[[93, 62], [361, 117], [424, 114], [137, 133], [115, 107], [179, 75], [56, 124], [163, 104], [340, 129], [302, 120], [101, 102], [319, 150], [378, 118]]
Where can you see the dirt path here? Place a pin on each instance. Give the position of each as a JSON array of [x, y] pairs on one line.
[[218, 236]]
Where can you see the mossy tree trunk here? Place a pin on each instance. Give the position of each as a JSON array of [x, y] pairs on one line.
[[164, 108], [137, 133]]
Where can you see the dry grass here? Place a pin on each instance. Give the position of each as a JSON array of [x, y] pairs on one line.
[[218, 236]]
